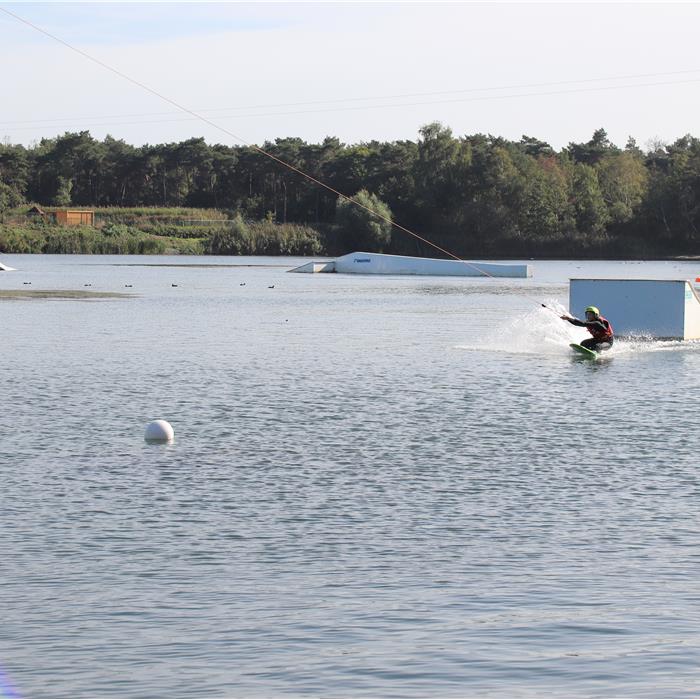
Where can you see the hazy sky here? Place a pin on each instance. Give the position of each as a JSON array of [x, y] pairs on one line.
[[359, 70]]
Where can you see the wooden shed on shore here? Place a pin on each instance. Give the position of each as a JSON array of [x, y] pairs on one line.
[[74, 217]]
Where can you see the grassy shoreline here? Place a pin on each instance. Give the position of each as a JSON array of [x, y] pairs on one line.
[[187, 231], [142, 231]]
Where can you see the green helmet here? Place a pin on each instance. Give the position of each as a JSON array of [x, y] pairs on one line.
[[593, 309]]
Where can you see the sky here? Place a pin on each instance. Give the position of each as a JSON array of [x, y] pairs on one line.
[[358, 71]]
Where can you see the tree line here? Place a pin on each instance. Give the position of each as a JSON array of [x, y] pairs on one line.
[[473, 195]]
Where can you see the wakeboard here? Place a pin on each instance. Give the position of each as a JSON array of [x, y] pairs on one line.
[[585, 352]]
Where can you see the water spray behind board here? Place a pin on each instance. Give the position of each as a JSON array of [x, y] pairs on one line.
[[533, 333]]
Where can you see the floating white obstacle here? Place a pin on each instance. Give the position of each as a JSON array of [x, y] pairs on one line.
[[381, 264], [660, 309], [159, 431], [6, 268]]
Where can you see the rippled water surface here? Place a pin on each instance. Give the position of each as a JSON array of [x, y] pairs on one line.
[[379, 486]]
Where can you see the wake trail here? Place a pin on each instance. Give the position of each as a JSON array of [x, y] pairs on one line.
[[538, 332], [542, 332]]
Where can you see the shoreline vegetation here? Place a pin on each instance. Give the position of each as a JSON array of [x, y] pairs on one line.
[[156, 232], [477, 196]]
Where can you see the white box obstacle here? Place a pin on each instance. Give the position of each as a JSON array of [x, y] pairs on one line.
[[381, 264], [668, 309]]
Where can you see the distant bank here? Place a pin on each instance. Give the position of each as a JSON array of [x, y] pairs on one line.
[[150, 231], [190, 231]]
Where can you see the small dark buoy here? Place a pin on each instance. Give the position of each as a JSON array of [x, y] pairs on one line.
[[26, 282], [128, 285], [242, 284], [87, 285], [173, 285]]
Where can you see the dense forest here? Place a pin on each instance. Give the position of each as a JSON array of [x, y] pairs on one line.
[[473, 195]]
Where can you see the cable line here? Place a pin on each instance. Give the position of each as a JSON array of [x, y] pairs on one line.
[[238, 138], [386, 97], [480, 98]]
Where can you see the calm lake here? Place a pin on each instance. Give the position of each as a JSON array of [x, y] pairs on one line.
[[379, 486]]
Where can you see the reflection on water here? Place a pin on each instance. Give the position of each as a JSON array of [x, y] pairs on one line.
[[375, 489]]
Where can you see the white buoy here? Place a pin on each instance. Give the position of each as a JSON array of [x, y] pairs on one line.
[[159, 431]]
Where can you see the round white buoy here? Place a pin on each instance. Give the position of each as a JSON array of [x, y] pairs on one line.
[[159, 431]]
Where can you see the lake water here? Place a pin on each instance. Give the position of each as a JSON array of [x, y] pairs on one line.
[[379, 487]]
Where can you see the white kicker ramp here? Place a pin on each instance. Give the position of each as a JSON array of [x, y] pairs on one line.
[[668, 309], [382, 264]]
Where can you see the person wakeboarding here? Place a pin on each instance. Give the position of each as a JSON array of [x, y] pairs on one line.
[[600, 328]]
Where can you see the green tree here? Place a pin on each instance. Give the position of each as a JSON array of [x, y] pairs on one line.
[[542, 209], [349, 169], [623, 183], [589, 206], [535, 148], [225, 177], [64, 186], [671, 211], [9, 198], [118, 179], [361, 228], [486, 187], [591, 152], [15, 168], [195, 163], [284, 183], [435, 170]]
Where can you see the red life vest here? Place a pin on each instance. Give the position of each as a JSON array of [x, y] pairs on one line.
[[599, 333]]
